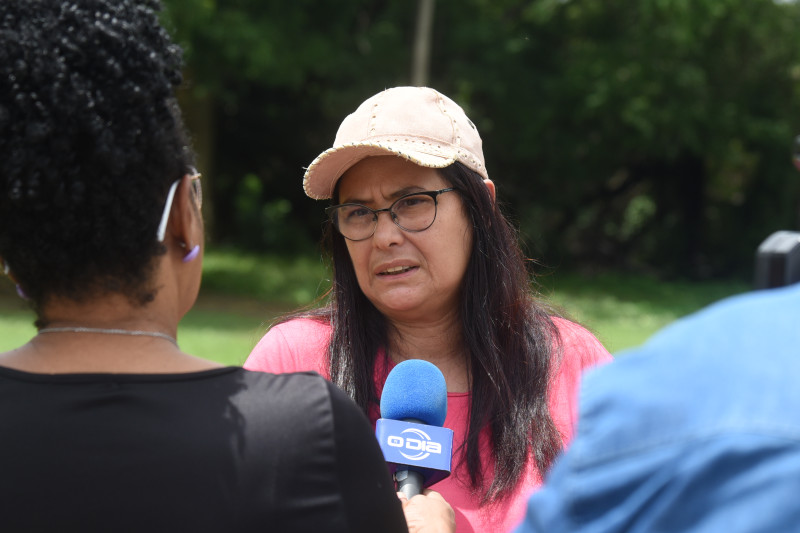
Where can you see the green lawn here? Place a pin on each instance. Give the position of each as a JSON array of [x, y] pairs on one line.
[[623, 311], [243, 293]]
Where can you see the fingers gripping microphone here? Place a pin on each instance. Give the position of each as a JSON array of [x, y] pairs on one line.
[[414, 443]]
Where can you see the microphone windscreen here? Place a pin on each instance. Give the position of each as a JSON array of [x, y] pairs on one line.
[[415, 389]]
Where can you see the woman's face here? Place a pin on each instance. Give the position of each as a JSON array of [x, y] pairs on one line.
[[408, 276]]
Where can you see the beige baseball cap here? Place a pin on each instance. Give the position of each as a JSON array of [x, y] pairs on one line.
[[418, 123]]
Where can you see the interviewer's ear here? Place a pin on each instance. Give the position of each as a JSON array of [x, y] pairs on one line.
[[490, 185], [187, 222], [7, 271]]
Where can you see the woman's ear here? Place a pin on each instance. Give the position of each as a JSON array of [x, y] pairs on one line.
[[187, 222], [7, 271], [490, 185]]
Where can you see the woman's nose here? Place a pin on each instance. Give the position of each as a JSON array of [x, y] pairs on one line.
[[387, 233]]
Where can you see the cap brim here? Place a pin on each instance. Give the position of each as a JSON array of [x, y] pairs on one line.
[[323, 173]]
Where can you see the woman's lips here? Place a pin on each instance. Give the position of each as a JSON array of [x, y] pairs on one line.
[[391, 271]]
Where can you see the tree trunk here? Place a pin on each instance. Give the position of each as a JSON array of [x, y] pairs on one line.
[[420, 66]]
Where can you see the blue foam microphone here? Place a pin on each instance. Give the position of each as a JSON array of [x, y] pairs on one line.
[[416, 447]]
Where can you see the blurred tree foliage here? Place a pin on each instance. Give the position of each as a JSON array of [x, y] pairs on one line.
[[652, 135]]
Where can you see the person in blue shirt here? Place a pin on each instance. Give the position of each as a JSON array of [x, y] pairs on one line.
[[696, 431]]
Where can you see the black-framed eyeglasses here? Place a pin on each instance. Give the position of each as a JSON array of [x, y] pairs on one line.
[[412, 212]]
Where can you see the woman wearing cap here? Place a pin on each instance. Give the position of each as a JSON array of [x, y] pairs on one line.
[[425, 266], [105, 424]]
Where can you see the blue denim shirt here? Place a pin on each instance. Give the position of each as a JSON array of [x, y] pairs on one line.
[[696, 431]]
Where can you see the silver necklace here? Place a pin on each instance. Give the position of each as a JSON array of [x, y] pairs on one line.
[[111, 331]]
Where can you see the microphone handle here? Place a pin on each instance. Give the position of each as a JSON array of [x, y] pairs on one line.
[[409, 482]]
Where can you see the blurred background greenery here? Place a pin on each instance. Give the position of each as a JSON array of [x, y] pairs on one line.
[[643, 148], [651, 137]]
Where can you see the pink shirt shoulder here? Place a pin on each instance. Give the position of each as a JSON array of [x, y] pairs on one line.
[[299, 345], [579, 351]]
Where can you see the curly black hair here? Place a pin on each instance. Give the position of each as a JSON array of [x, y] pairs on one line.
[[91, 139]]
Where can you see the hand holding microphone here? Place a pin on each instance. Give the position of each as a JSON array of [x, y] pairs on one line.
[[414, 443], [428, 513]]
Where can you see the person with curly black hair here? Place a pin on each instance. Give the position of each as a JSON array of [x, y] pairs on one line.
[[105, 424]]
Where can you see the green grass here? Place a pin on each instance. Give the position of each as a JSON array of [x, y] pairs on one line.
[[623, 311], [283, 280], [242, 293]]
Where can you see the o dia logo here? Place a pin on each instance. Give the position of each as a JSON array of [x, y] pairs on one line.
[[419, 442]]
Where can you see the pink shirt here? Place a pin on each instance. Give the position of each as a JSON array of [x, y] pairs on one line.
[[301, 345]]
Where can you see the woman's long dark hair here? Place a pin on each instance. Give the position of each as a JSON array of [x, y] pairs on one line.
[[510, 339]]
